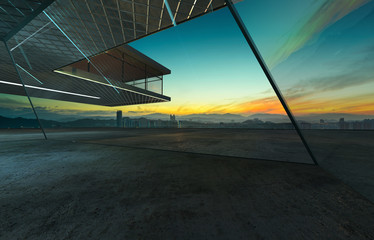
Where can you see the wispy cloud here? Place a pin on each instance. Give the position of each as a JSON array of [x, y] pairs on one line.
[[317, 86], [137, 112], [359, 74], [262, 105], [362, 104], [327, 14]]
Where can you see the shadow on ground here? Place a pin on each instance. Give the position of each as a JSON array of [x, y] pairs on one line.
[[64, 190]]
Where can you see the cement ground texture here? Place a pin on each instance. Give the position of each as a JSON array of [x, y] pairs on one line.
[[348, 155], [60, 189]]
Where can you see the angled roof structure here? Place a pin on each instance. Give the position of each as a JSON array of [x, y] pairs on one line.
[[123, 64], [75, 50]]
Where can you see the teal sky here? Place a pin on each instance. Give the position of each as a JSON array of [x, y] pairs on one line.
[[320, 52], [321, 45]]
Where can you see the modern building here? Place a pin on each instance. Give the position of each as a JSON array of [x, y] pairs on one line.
[[119, 119], [285, 172], [148, 123], [76, 50]]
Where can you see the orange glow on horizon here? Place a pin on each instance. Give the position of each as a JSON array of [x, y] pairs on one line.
[[359, 105], [363, 105]]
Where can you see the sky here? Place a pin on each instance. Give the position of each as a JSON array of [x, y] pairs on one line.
[[320, 53]]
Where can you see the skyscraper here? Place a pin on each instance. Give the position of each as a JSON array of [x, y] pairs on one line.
[[119, 119]]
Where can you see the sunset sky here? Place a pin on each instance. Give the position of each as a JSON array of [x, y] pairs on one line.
[[321, 54]]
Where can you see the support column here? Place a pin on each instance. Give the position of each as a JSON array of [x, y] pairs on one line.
[[268, 74], [24, 87], [145, 80], [123, 68]]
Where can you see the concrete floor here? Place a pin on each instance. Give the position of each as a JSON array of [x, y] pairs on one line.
[[348, 155], [72, 190], [279, 145]]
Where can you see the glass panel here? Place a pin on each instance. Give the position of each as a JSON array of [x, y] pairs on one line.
[[42, 49], [17, 120], [39, 49], [154, 85], [321, 56], [139, 84], [122, 64], [221, 101]]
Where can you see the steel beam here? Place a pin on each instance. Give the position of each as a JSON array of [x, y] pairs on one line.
[[24, 87], [28, 19], [268, 74]]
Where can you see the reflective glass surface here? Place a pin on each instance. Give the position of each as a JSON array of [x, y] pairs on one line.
[[17, 120], [321, 56]]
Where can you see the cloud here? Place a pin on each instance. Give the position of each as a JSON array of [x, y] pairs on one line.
[[362, 104], [13, 101], [139, 112], [324, 84], [352, 77], [17, 109], [263, 105], [327, 14]]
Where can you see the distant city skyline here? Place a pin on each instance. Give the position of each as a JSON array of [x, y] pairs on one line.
[[320, 52], [257, 121]]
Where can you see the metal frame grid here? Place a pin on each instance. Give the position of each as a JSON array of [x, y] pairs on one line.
[[71, 30], [15, 14]]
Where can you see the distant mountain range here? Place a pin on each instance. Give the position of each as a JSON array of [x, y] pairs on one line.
[[32, 123], [276, 118], [216, 118], [334, 117], [203, 118]]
